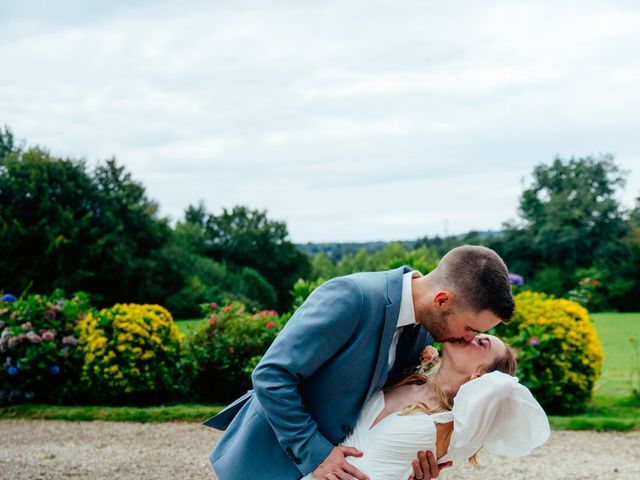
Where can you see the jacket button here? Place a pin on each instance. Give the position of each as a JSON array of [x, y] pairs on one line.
[[346, 429]]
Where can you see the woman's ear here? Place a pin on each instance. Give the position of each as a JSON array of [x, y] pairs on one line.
[[478, 373]]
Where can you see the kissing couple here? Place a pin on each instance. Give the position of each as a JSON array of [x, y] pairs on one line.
[[344, 393]]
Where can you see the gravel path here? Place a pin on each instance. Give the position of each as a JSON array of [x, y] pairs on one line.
[[38, 449]]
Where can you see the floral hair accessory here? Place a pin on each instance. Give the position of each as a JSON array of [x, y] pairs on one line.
[[427, 357]]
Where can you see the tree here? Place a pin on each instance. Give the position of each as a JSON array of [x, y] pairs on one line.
[[571, 231], [571, 210], [64, 226], [46, 209], [7, 143], [241, 237], [322, 267]]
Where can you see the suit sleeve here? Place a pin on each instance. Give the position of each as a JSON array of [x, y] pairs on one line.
[[318, 329]]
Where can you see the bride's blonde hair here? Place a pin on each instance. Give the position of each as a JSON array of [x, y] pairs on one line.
[[505, 364]]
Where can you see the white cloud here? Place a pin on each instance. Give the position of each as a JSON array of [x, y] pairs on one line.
[[350, 120]]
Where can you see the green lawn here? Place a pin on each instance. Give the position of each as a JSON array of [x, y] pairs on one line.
[[184, 412], [615, 330], [188, 326], [612, 408]]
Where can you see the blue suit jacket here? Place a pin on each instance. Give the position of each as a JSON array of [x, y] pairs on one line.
[[313, 381]]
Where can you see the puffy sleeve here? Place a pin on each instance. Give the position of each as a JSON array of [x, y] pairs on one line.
[[498, 413]]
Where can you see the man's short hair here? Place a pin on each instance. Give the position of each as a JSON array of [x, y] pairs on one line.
[[479, 278]]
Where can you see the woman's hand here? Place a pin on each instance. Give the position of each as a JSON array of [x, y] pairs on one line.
[[425, 466], [336, 467]]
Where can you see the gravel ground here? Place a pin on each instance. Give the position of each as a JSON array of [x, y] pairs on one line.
[[37, 449]]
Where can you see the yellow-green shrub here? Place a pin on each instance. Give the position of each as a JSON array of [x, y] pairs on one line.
[[559, 352], [130, 352]]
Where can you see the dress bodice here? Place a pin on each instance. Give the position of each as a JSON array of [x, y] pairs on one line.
[[493, 411], [391, 445]]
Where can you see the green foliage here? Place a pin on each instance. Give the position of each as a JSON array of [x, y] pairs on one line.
[[559, 351], [629, 267], [40, 360], [7, 143], [572, 227], [63, 226], [247, 238], [551, 280], [322, 267], [393, 255], [132, 354], [572, 211], [227, 348], [635, 368], [302, 289]]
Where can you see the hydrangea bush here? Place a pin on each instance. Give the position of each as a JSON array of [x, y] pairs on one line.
[[132, 354], [227, 348], [559, 351], [38, 348]]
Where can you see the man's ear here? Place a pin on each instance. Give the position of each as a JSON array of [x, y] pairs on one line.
[[442, 299]]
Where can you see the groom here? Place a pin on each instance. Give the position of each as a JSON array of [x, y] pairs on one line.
[[351, 336]]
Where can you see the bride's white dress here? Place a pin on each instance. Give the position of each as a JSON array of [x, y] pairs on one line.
[[493, 411], [391, 444]]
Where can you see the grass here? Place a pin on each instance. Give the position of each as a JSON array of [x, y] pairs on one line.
[[612, 408], [183, 412], [615, 330], [188, 326]]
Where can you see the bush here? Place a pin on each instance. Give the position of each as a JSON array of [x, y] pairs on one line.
[[551, 280], [40, 360], [559, 352], [132, 354], [228, 347]]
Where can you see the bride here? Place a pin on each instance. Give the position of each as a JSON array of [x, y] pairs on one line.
[[467, 400]]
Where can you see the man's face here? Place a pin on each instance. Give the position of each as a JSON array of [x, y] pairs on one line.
[[460, 325]]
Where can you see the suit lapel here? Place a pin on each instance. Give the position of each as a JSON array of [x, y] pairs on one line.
[[392, 311]]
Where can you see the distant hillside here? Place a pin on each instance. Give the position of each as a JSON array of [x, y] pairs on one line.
[[336, 250]]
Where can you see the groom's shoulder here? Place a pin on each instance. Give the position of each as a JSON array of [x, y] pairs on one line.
[[373, 280]]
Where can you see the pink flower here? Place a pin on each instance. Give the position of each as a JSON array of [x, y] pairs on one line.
[[212, 320], [213, 306], [34, 337], [273, 312], [429, 354], [271, 325], [48, 335], [230, 350], [533, 341], [227, 309], [26, 326]]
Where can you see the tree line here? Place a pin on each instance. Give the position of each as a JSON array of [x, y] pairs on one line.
[[65, 225], [572, 238]]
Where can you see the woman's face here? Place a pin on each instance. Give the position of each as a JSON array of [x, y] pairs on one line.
[[473, 357]]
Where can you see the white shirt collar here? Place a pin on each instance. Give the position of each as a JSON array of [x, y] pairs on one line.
[[407, 314]]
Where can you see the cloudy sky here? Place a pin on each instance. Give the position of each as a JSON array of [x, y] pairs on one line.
[[350, 120]]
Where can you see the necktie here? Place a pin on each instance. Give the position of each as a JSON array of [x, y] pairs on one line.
[[403, 352]]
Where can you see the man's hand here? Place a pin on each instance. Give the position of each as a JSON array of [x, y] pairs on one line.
[[426, 467], [336, 467]]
